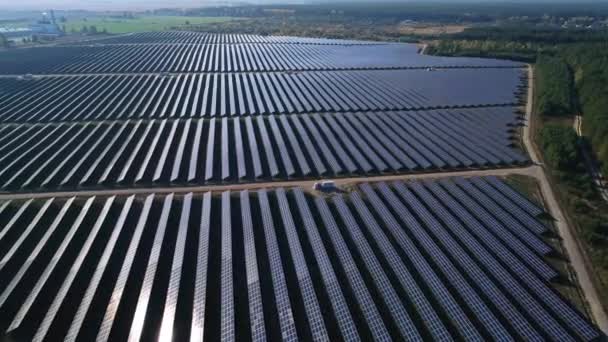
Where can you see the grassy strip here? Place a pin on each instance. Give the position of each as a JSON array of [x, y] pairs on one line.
[[138, 24]]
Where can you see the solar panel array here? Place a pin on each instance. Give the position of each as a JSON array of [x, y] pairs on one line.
[[188, 37], [111, 97], [192, 52], [387, 261], [161, 152]]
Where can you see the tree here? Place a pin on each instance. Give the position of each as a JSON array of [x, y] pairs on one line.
[[84, 29], [560, 146], [93, 29], [555, 89]]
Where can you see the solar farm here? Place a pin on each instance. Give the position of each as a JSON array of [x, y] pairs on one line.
[[156, 186]]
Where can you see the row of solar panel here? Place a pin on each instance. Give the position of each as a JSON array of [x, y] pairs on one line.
[[139, 58], [250, 149], [190, 37], [108, 97], [410, 261]]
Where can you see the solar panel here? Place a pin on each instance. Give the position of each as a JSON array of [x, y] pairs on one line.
[[17, 279], [85, 304], [256, 310], [24, 234], [364, 298], [60, 297], [515, 211], [197, 330], [423, 306], [334, 292], [153, 144], [165, 152], [522, 327], [144, 297], [129, 163], [547, 322], [103, 334], [280, 143], [227, 332], [311, 304], [295, 146], [49, 160], [523, 202], [279, 285], [7, 228], [210, 149], [32, 158], [170, 308], [368, 143], [270, 160], [253, 148], [179, 155], [349, 144], [336, 146], [508, 221], [529, 257], [476, 303], [225, 150], [448, 303]]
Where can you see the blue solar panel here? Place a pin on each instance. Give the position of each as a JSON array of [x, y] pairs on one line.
[[309, 297], [279, 285], [256, 312], [528, 302], [441, 293], [144, 297], [336, 297], [85, 304], [424, 308], [362, 294], [528, 256]]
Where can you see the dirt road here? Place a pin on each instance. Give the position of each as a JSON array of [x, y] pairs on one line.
[[566, 232], [590, 163], [308, 184]]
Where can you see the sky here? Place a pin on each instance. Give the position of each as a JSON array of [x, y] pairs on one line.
[[152, 4]]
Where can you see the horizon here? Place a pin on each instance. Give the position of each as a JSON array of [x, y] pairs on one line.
[[142, 5]]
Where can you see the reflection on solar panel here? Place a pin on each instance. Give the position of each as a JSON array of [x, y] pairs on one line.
[[176, 96], [394, 261], [262, 148], [199, 52]]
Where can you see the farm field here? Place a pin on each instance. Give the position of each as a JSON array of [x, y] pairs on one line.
[[224, 270], [447, 258], [138, 24]]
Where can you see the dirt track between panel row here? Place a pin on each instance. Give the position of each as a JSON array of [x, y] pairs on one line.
[[307, 184]]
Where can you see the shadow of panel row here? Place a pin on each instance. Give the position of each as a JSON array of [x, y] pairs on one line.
[[203, 57], [451, 259], [162, 152], [189, 37], [110, 97]]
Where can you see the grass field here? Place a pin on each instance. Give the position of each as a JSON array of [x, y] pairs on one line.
[[139, 24]]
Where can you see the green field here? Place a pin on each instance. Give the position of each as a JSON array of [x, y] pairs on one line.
[[138, 24]]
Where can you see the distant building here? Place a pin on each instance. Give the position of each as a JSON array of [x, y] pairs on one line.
[[16, 35], [46, 29]]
